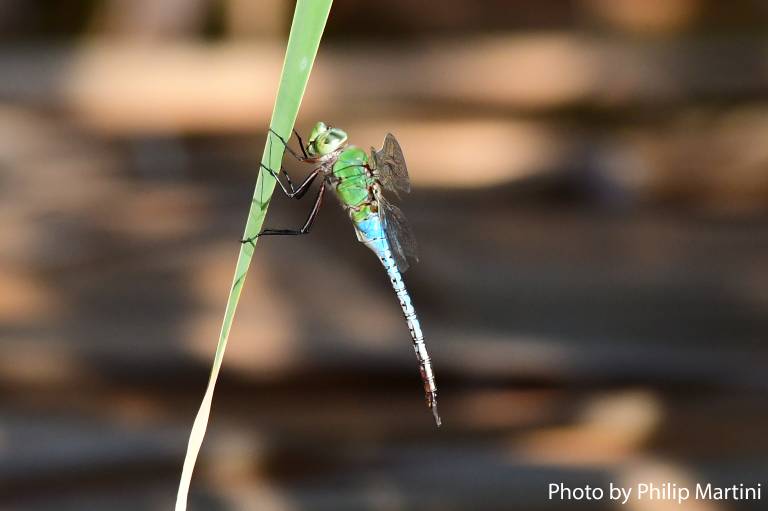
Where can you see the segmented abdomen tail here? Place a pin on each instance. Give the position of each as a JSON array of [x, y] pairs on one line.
[[370, 231], [425, 365]]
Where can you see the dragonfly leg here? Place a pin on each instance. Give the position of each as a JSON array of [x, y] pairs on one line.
[[288, 148], [301, 144], [293, 192], [295, 232]]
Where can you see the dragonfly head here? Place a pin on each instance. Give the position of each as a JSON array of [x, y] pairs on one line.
[[324, 140]]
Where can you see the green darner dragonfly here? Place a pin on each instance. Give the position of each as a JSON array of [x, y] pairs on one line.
[[359, 181]]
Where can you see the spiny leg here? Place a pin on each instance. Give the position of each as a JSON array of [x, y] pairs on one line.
[[288, 148], [301, 144], [294, 192], [295, 232]]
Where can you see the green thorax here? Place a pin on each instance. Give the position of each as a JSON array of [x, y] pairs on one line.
[[354, 182]]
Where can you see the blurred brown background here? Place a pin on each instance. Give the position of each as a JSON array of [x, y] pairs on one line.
[[591, 201]]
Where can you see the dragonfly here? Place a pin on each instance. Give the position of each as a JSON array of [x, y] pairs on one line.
[[359, 181]]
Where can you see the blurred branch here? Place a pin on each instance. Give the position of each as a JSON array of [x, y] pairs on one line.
[[246, 18], [152, 20], [223, 88]]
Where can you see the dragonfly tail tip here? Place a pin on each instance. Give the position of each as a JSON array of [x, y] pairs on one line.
[[436, 415]]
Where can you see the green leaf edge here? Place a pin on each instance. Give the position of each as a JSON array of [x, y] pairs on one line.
[[307, 29]]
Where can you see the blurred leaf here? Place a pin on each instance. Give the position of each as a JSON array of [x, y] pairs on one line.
[[306, 30]]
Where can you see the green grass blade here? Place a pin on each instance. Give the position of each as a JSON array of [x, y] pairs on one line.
[[306, 30]]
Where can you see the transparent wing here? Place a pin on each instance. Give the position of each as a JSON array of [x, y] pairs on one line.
[[390, 165], [402, 243]]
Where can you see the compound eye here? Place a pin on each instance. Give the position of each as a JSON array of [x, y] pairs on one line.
[[317, 130]]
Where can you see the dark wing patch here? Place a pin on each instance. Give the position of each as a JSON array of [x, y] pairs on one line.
[[401, 240], [390, 166]]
